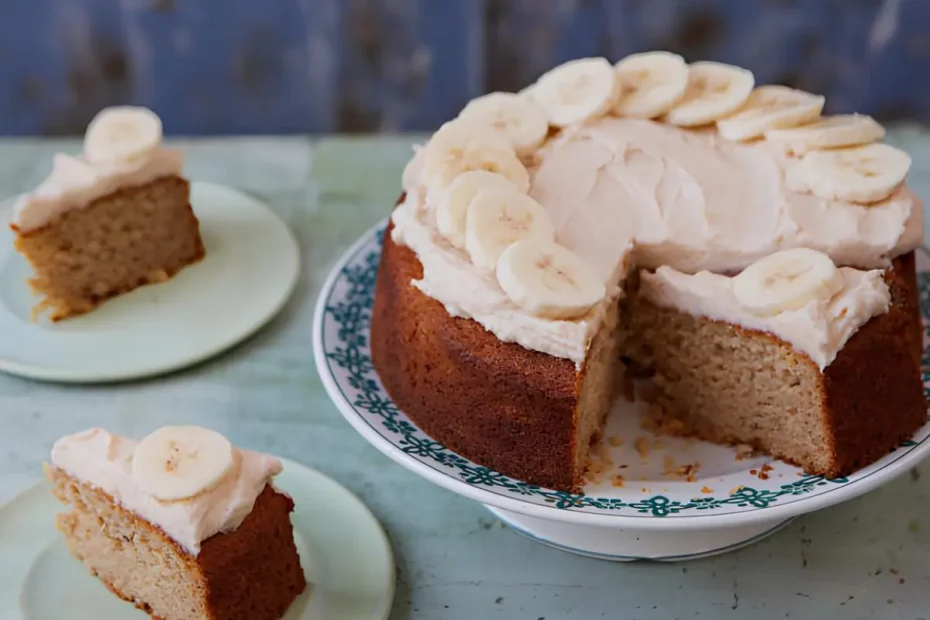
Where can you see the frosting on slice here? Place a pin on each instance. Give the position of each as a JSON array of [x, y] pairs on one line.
[[105, 461]]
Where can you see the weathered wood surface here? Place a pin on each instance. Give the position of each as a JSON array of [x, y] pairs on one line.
[[866, 559], [285, 66]]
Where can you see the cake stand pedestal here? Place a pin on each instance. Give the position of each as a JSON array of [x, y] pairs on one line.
[[626, 545]]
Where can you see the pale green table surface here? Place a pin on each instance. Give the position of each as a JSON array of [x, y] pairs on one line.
[[869, 558]]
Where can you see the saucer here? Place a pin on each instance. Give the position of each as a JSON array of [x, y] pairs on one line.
[[346, 557], [250, 269], [726, 501]]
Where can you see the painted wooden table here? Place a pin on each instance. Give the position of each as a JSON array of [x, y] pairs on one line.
[[864, 559]]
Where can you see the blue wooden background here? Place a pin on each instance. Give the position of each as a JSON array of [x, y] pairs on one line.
[[284, 66]]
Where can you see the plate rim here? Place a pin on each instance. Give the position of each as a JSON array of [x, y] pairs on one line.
[[389, 569], [708, 520], [78, 377]]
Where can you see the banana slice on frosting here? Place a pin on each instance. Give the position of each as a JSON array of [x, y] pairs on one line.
[[862, 174], [576, 91], [651, 84], [518, 119], [498, 217], [715, 90], [770, 107], [122, 134], [786, 281], [177, 462], [460, 146], [452, 207], [548, 280], [829, 132]]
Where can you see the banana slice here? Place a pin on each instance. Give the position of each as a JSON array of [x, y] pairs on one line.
[[577, 91], [122, 134], [521, 121], [770, 107], [548, 280], [651, 83], [830, 132], [177, 462], [497, 217], [453, 204], [715, 90], [786, 281], [460, 146], [863, 174]]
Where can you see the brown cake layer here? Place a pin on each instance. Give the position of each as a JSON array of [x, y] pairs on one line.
[[132, 237], [733, 385], [516, 411], [253, 573]]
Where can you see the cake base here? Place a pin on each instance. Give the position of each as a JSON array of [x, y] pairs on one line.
[[253, 572], [130, 238], [516, 411], [625, 545]]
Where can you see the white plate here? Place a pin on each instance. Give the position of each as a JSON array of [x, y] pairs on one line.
[[725, 492], [250, 269], [344, 552]]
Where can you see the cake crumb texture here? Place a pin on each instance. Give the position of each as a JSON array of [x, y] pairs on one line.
[[253, 573], [133, 237]]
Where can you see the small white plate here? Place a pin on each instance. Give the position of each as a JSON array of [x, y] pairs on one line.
[[249, 271], [652, 513], [345, 555]]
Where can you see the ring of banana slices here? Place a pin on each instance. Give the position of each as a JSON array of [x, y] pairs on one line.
[[476, 181]]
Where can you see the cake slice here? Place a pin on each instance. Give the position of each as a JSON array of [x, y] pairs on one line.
[[110, 220], [182, 524]]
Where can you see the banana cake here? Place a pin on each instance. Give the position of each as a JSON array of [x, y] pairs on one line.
[[110, 220], [181, 524], [749, 257]]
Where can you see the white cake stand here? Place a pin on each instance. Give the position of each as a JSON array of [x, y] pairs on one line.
[[653, 513]]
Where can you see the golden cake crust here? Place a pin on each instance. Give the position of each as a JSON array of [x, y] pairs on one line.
[[515, 410]]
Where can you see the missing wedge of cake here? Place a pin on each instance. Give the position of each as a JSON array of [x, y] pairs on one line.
[[110, 220], [751, 258], [181, 524]]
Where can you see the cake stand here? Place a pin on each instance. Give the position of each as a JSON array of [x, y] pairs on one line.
[[656, 498]]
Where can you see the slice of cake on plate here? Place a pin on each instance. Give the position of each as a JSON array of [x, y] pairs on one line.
[[669, 220], [110, 220], [182, 524]]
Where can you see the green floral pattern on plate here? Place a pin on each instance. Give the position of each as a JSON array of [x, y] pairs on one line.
[[345, 341]]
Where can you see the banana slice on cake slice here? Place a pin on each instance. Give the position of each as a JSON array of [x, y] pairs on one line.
[[460, 146], [548, 280], [770, 107], [452, 207], [715, 90], [122, 134], [829, 132], [576, 91], [518, 119], [651, 84], [786, 281], [862, 174], [177, 462], [498, 217]]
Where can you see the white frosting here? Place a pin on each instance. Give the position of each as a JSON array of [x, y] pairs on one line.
[[64, 190], [819, 329], [104, 461], [695, 201], [469, 292], [681, 198]]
